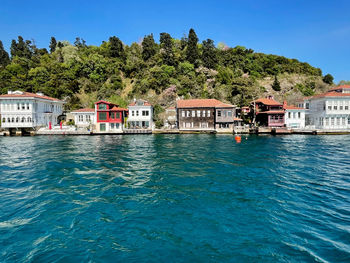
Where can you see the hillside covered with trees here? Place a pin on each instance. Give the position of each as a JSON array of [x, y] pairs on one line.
[[160, 72]]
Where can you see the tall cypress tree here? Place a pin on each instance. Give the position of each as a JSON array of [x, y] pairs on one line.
[[149, 47], [167, 45], [192, 53], [116, 48], [13, 48], [53, 44], [209, 55], [22, 48], [4, 56], [276, 84]]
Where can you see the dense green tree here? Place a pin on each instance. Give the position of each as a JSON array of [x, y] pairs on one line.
[[192, 53], [80, 43], [328, 79], [4, 56], [53, 44], [167, 49], [149, 47], [276, 84], [21, 48], [116, 48], [209, 54]]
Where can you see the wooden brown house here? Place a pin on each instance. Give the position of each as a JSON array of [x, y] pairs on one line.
[[204, 114]]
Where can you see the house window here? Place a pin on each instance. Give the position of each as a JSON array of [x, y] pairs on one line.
[[193, 113], [18, 106], [13, 119], [208, 113], [343, 121], [112, 125], [137, 113], [229, 113], [188, 125], [145, 113], [299, 115], [27, 106], [338, 121], [349, 121], [23, 119], [112, 115], [219, 113], [335, 107], [102, 106], [332, 121], [118, 115], [133, 113], [327, 121], [346, 107], [29, 119], [198, 113], [329, 107], [17, 119], [341, 107], [80, 118], [188, 114], [307, 105], [183, 113], [3, 119], [88, 118], [204, 113], [289, 115], [102, 116], [147, 124], [102, 127], [117, 125], [294, 115]]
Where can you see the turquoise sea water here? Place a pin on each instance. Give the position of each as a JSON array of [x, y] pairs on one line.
[[175, 198]]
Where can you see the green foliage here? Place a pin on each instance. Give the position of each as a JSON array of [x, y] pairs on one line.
[[192, 53], [276, 84], [149, 47], [53, 44], [209, 54], [4, 56], [307, 90], [81, 74], [328, 79]]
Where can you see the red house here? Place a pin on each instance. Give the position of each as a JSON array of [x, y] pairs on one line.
[[268, 112], [110, 117]]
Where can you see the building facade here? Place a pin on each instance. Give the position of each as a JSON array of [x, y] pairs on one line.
[[294, 117], [109, 117], [330, 110], [84, 118], [29, 110], [140, 115], [204, 115], [268, 112]]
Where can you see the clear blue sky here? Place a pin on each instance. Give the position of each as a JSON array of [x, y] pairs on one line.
[[314, 31]]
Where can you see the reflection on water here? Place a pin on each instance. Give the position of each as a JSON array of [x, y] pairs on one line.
[[175, 198]]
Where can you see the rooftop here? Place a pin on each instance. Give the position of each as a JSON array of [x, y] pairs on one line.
[[202, 103], [140, 103], [268, 101], [24, 94], [84, 110]]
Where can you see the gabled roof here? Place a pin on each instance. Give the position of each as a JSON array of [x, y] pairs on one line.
[[201, 103], [102, 101], [84, 110], [269, 102], [291, 107], [25, 94]]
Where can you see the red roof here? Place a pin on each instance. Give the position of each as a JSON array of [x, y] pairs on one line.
[[330, 94], [269, 102], [201, 103], [29, 95], [340, 87], [84, 110]]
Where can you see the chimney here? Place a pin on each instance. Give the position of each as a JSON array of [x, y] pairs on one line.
[[270, 97], [285, 103]]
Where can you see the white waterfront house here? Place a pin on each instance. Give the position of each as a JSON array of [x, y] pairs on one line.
[[140, 115], [294, 117], [21, 109], [84, 118], [330, 110]]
